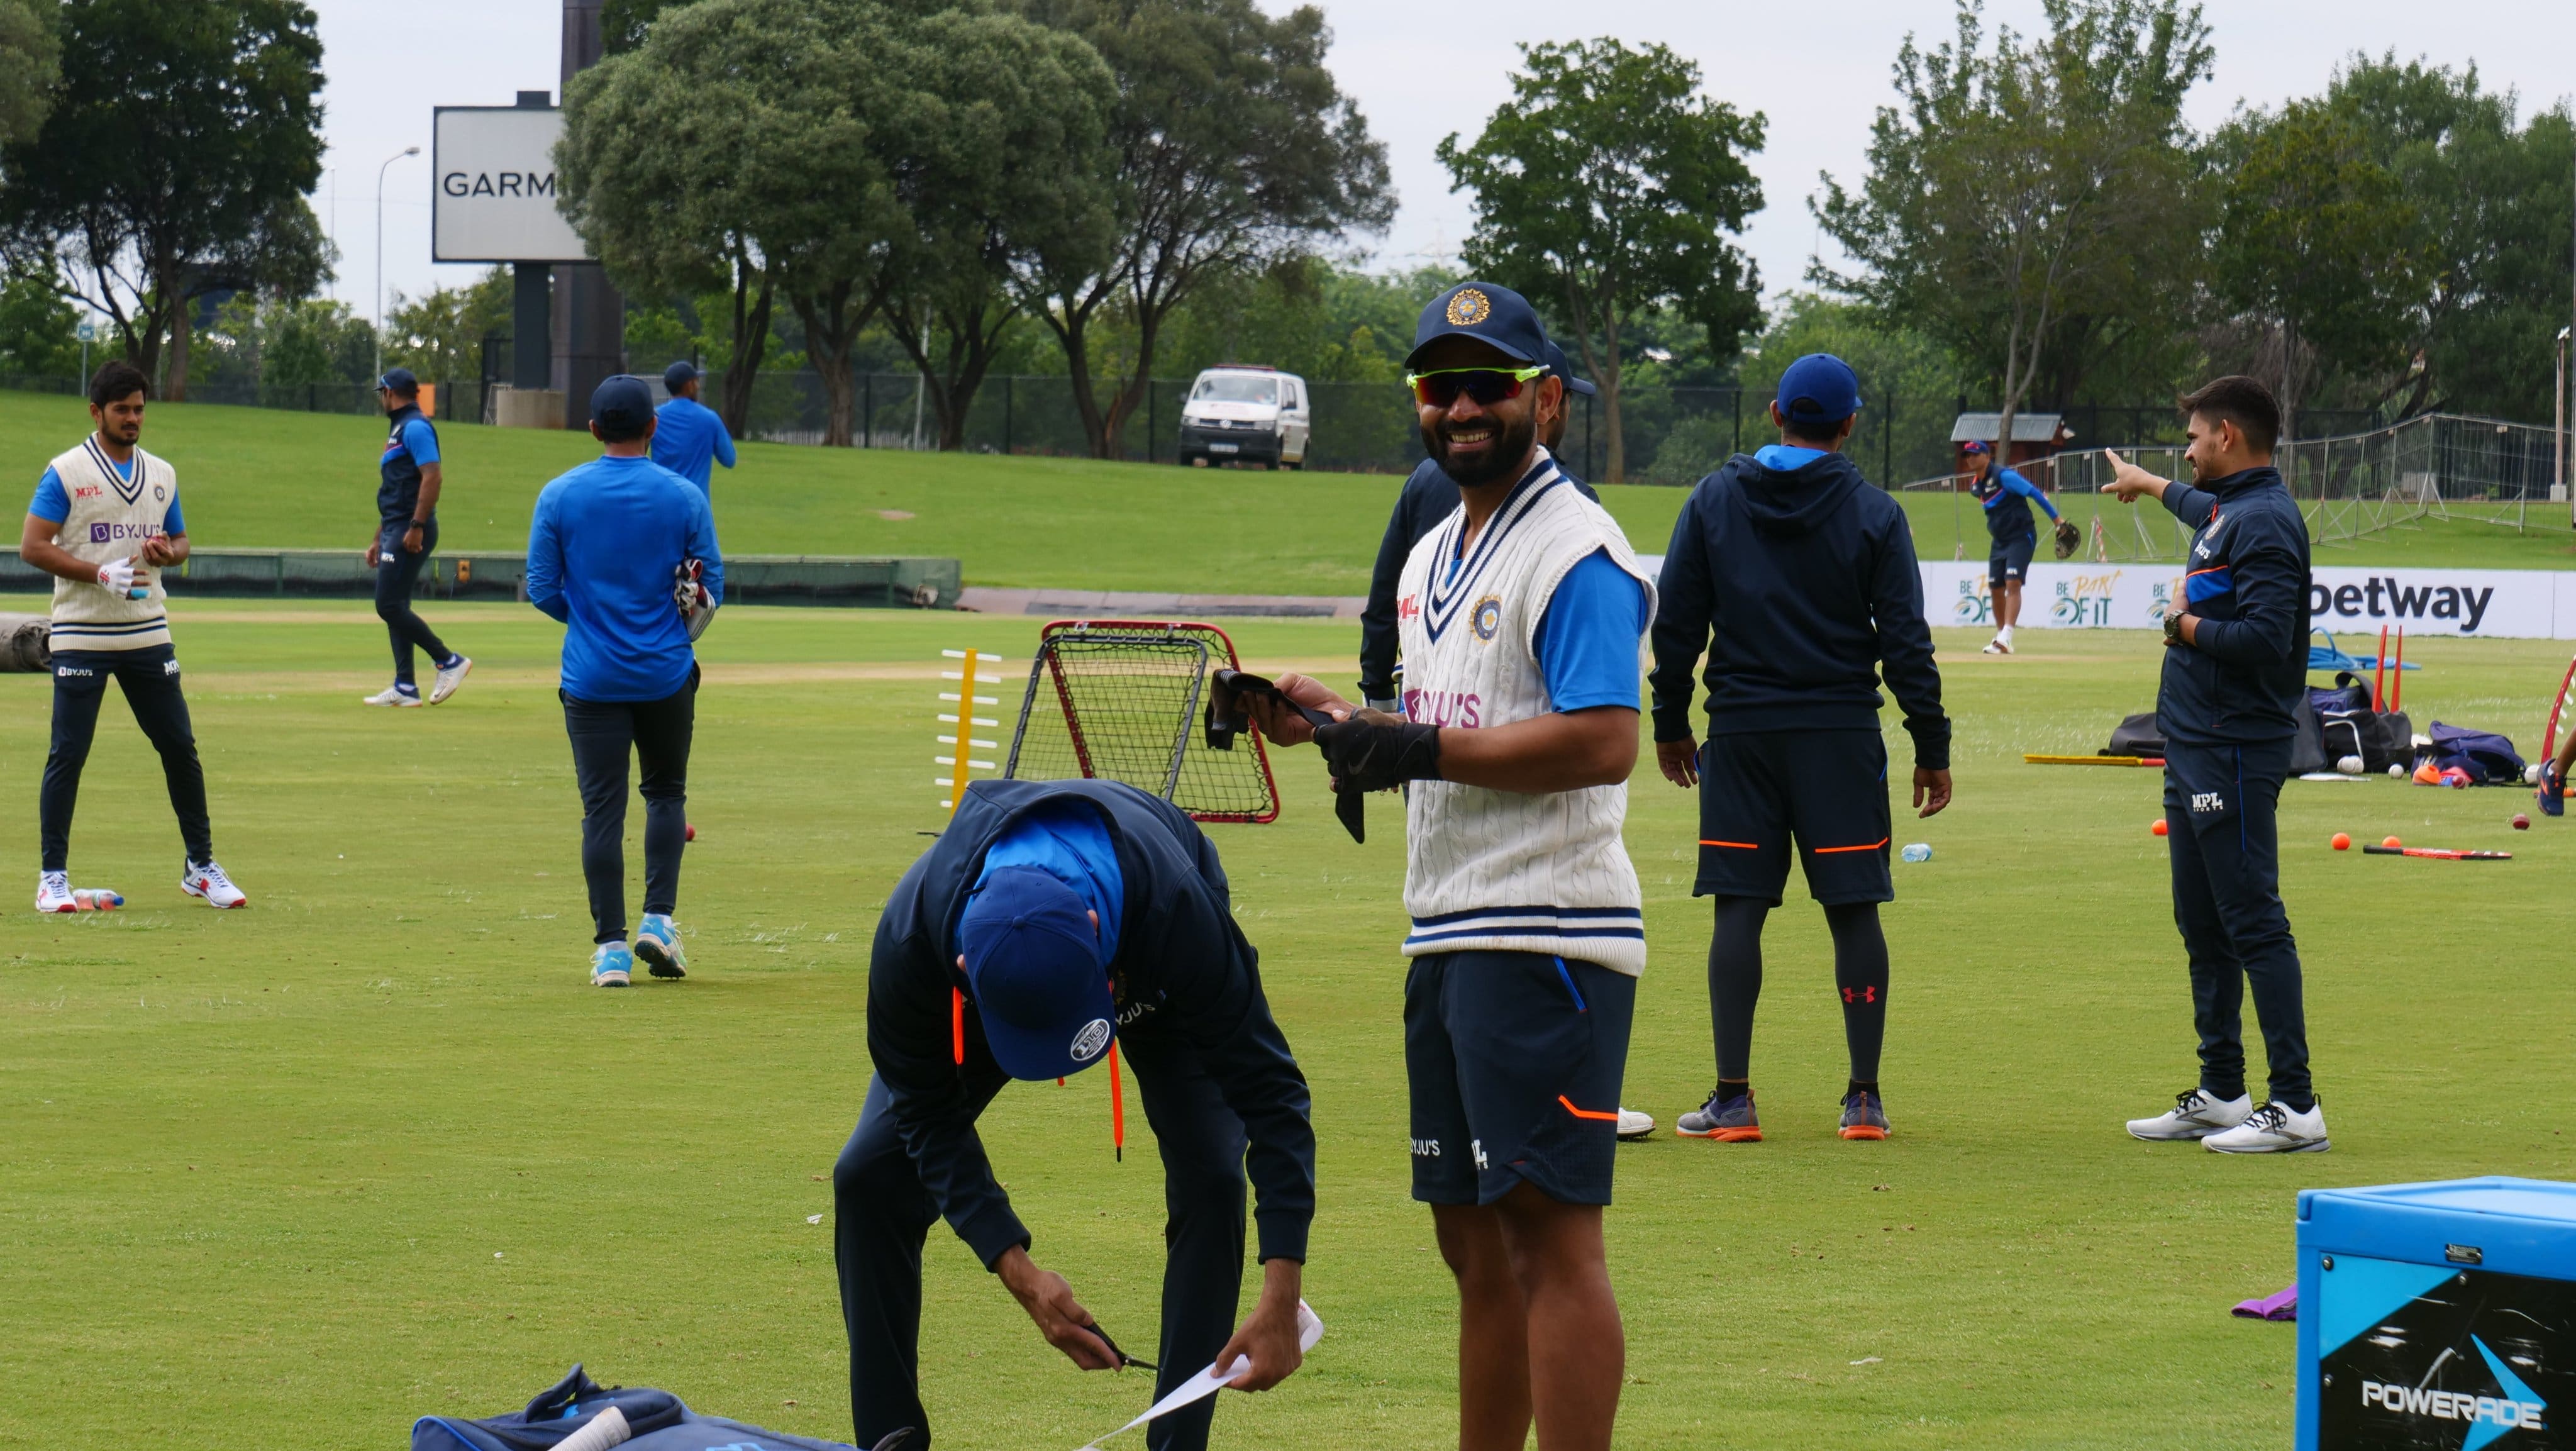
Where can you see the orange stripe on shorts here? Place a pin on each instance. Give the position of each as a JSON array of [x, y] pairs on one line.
[[1830, 850], [1612, 1116], [1738, 845]]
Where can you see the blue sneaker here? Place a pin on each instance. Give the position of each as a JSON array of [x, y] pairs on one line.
[[610, 963], [657, 942], [2553, 790]]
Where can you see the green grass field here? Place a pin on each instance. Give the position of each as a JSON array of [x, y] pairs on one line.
[[287, 1177], [256, 478]]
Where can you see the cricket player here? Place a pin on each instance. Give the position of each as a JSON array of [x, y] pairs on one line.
[[604, 551], [2236, 663], [1519, 619], [406, 533], [1797, 580], [2008, 497], [2553, 776], [689, 438], [1055, 925], [1427, 500], [104, 523]]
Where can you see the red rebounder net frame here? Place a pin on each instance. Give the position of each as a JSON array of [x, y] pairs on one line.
[[1121, 700], [2558, 714]]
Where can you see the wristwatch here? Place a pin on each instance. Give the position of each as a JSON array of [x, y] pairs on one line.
[[2173, 628]]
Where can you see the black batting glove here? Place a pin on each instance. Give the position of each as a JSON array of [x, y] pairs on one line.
[[1374, 751]]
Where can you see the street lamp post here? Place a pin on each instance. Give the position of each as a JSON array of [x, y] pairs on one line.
[[380, 253], [2558, 401]]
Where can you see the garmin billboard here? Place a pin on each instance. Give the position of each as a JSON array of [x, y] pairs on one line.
[[493, 187]]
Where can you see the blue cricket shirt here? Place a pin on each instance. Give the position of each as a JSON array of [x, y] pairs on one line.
[[53, 503], [689, 438], [1587, 636], [604, 546]]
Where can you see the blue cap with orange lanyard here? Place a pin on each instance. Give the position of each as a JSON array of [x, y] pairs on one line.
[[1041, 990]]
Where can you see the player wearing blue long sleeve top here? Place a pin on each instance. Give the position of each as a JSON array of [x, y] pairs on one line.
[[2235, 663], [689, 438], [2008, 497], [604, 552]]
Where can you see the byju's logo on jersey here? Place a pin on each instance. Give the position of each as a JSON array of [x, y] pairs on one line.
[[1488, 618], [104, 532]]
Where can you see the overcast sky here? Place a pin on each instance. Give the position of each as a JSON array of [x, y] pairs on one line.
[[1421, 70]]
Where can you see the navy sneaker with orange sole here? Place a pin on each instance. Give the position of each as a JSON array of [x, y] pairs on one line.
[[1728, 1122], [1864, 1117]]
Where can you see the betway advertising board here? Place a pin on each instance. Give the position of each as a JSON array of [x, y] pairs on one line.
[[2475, 603]]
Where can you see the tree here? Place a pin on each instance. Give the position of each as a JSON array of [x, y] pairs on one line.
[[1606, 188], [2014, 188], [439, 335], [2319, 245], [1232, 146], [2491, 202], [1001, 170], [185, 136], [36, 328], [31, 53], [736, 149]]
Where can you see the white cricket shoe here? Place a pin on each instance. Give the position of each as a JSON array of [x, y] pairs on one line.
[[2195, 1115], [207, 880], [2275, 1128], [54, 892], [1635, 1126], [1996, 646], [393, 695], [449, 677]]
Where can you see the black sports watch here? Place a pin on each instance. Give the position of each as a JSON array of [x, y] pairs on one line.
[[2173, 628]]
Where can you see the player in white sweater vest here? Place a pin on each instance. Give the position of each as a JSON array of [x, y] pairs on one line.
[[1519, 619]]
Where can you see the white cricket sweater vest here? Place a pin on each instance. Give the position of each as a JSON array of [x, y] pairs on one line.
[[109, 520], [1494, 870]]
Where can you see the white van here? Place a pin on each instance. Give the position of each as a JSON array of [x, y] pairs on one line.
[[1244, 413]]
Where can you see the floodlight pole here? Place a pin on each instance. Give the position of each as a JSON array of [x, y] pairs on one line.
[[380, 254], [2558, 430]]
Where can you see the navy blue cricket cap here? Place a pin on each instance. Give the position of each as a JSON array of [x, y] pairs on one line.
[[400, 380], [621, 401], [1487, 312], [1819, 389], [678, 373], [1033, 965], [1563, 367]]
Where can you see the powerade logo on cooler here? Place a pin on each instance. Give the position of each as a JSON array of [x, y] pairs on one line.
[[2418, 1357]]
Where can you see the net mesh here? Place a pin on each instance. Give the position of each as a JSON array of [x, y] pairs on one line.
[[1120, 700]]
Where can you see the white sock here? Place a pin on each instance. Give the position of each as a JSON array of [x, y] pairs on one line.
[[619, 944], [2006, 636]]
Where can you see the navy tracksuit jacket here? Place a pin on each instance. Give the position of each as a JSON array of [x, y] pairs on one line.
[[2227, 708], [1219, 1088]]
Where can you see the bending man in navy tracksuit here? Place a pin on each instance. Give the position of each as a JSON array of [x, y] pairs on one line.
[[2236, 659], [1798, 580], [1057, 909], [2008, 497]]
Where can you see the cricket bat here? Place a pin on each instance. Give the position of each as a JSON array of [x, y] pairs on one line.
[[2438, 854]]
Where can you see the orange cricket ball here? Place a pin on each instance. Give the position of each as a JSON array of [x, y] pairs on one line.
[[2342, 841], [2392, 843], [2157, 826]]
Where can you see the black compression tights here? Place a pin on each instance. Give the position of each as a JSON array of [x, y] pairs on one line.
[[1735, 982]]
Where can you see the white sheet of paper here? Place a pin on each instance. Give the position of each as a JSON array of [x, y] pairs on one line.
[[1310, 1328]]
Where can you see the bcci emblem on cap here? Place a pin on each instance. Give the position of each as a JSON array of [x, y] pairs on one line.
[[1469, 307]]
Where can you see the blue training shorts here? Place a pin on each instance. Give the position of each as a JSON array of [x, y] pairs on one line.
[[2010, 558], [1827, 789], [1514, 1060]]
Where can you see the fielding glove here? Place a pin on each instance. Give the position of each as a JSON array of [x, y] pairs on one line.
[[1374, 751], [2067, 538], [689, 592], [118, 575]]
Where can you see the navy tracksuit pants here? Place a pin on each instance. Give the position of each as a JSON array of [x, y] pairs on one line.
[[2221, 827], [882, 1213]]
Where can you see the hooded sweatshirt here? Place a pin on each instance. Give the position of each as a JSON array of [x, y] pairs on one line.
[[1182, 966], [1799, 583]]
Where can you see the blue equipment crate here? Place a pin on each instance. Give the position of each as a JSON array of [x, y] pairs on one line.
[[2438, 1317]]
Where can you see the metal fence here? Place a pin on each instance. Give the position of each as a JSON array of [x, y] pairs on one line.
[[2437, 466], [894, 582]]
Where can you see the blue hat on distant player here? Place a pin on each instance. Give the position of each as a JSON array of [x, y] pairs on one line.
[[679, 373], [1819, 389], [621, 403], [1974, 445], [1033, 965], [1486, 311], [1563, 367], [401, 381]]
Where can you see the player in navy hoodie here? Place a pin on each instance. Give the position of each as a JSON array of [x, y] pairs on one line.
[[1798, 580]]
